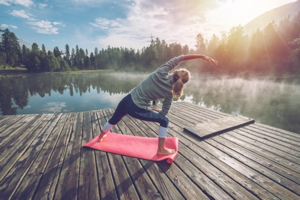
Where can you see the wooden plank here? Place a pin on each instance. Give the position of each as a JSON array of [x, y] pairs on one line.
[[254, 162], [50, 176], [158, 185], [67, 186], [273, 142], [202, 180], [8, 121], [123, 181], [222, 175], [289, 143], [252, 175], [274, 177], [289, 137], [247, 175], [180, 114], [190, 114], [256, 157], [291, 166], [209, 155], [280, 132], [217, 126], [193, 115], [138, 174], [9, 146], [3, 118], [14, 153], [107, 186], [16, 128], [25, 160], [265, 128], [200, 110], [166, 176], [258, 143], [259, 149], [88, 189], [35, 173]]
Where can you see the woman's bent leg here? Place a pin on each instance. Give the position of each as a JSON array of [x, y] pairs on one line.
[[153, 116]]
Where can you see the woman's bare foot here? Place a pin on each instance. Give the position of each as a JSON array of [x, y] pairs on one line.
[[102, 136], [165, 151], [161, 150]]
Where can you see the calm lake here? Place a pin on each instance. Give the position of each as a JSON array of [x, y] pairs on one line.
[[273, 102]]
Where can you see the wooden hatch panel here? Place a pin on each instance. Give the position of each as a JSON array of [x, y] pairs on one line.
[[214, 127]]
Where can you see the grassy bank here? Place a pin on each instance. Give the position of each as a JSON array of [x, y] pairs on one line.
[[86, 71], [20, 70], [12, 70]]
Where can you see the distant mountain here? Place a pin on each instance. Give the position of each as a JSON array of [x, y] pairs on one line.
[[276, 15]]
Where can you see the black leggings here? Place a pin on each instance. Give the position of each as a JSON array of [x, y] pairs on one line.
[[127, 106]]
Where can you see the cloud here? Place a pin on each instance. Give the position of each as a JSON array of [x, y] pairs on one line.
[[121, 40], [26, 3], [44, 27], [3, 26], [91, 2], [42, 5], [173, 21], [175, 12], [54, 107], [21, 13], [7, 26], [103, 23], [5, 2], [58, 23]]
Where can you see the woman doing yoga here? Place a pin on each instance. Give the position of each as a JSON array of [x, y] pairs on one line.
[[158, 85]]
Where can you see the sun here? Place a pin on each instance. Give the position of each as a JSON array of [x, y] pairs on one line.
[[238, 12], [232, 13]]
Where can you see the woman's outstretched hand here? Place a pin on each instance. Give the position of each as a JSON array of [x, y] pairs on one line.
[[209, 59], [102, 136]]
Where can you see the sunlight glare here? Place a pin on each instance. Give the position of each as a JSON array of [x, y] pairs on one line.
[[234, 13]]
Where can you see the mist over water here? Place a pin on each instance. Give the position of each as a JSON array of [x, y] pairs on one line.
[[268, 101], [273, 102]]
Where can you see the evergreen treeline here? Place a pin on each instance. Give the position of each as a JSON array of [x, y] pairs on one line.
[[275, 49]]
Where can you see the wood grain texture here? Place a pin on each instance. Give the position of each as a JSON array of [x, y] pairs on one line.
[[41, 157]]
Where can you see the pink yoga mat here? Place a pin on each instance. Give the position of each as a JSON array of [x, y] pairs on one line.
[[134, 146]]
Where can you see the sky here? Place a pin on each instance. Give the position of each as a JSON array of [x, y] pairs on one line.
[[125, 23]]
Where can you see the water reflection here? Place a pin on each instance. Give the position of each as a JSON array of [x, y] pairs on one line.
[[49, 93], [272, 102]]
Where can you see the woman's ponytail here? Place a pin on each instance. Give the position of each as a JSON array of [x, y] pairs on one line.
[[178, 88], [181, 77]]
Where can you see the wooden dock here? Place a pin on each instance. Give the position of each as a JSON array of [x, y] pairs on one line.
[[41, 158]]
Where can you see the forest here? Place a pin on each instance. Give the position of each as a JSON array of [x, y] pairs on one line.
[[273, 50]]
